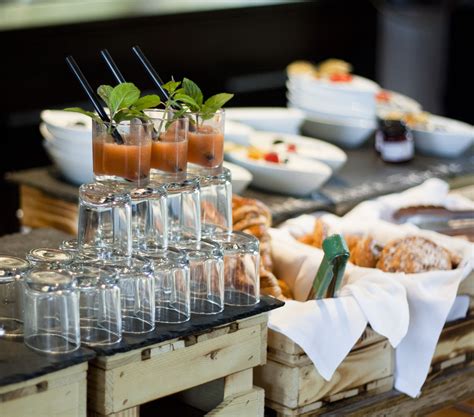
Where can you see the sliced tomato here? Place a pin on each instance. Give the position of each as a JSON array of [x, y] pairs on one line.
[[341, 78], [272, 157], [291, 147], [383, 96]]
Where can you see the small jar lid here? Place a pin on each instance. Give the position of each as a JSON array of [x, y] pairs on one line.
[[47, 256], [12, 267], [48, 280]]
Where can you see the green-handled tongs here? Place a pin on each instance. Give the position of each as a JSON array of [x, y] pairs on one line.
[[331, 271]]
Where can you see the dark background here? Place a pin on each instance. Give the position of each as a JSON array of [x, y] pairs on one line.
[[243, 50]]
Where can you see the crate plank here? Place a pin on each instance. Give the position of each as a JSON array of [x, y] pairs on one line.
[[137, 382], [58, 394], [456, 339], [246, 404], [296, 386]]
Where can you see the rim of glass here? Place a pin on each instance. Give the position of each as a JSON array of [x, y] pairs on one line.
[[122, 123]]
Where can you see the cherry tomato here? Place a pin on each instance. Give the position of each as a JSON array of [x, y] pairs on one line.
[[341, 78], [291, 147], [383, 96], [272, 157]]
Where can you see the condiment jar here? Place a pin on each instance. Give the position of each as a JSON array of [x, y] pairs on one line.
[[394, 141]]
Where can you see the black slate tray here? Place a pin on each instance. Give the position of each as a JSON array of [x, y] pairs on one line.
[[31, 364]]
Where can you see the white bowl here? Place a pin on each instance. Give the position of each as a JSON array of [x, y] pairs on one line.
[[271, 119], [76, 170], [241, 177], [237, 132], [306, 147], [450, 142], [68, 126], [299, 177], [78, 148]]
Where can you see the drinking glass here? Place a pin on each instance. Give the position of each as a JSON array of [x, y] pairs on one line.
[[12, 271], [172, 292], [137, 291], [51, 311], [99, 305], [149, 218], [47, 258], [122, 151], [104, 220], [206, 141], [169, 149], [206, 265], [241, 268], [216, 201]]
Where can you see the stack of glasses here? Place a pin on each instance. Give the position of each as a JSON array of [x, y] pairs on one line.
[[154, 245]]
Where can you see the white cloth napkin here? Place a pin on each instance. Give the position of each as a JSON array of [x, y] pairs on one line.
[[328, 329], [430, 295], [433, 192]]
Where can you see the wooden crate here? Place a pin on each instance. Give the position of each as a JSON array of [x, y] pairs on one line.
[[293, 386], [455, 346], [119, 384], [58, 394]]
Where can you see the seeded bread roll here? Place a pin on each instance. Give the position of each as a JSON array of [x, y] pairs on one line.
[[414, 254], [365, 252]]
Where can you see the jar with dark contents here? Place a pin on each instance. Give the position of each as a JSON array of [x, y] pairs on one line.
[[394, 141]]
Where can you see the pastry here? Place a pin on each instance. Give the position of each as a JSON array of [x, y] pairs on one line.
[[320, 232], [365, 252], [413, 254], [269, 284]]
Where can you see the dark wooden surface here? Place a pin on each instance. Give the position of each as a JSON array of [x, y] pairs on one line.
[[364, 176]]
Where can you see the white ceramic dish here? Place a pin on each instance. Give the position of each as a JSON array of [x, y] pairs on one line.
[[237, 132], [271, 119], [241, 177], [299, 177], [306, 147], [333, 100], [77, 148], [76, 170], [443, 137], [398, 102], [68, 126]]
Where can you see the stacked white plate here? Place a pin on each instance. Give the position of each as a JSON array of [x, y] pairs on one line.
[[340, 112], [68, 142]]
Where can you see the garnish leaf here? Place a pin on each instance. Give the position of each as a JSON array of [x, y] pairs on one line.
[[171, 86], [147, 102], [91, 114], [129, 114], [104, 92], [188, 100], [123, 96], [192, 90], [214, 103]]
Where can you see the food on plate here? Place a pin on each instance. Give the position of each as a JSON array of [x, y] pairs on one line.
[[414, 254], [335, 70]]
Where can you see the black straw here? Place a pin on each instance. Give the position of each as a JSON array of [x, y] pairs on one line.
[[112, 66], [92, 96], [151, 71]]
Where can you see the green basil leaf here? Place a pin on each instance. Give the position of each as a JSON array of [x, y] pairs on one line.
[[147, 102], [193, 91], [187, 100], [122, 96], [215, 102], [129, 114], [91, 114], [104, 93], [171, 86]]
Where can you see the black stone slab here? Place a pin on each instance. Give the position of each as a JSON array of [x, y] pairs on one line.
[[364, 176], [19, 244], [19, 363]]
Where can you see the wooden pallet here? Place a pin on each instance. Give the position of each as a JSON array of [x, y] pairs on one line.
[[58, 394], [119, 384], [293, 386]]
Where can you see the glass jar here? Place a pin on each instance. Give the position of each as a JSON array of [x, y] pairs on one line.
[[394, 141]]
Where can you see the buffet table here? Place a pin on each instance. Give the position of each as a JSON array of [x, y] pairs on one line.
[[46, 200], [221, 350]]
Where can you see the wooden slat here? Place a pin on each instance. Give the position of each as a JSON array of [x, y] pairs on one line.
[[456, 340], [295, 387], [137, 382], [250, 404], [59, 394]]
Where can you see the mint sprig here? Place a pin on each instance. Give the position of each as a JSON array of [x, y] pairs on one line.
[[124, 103]]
